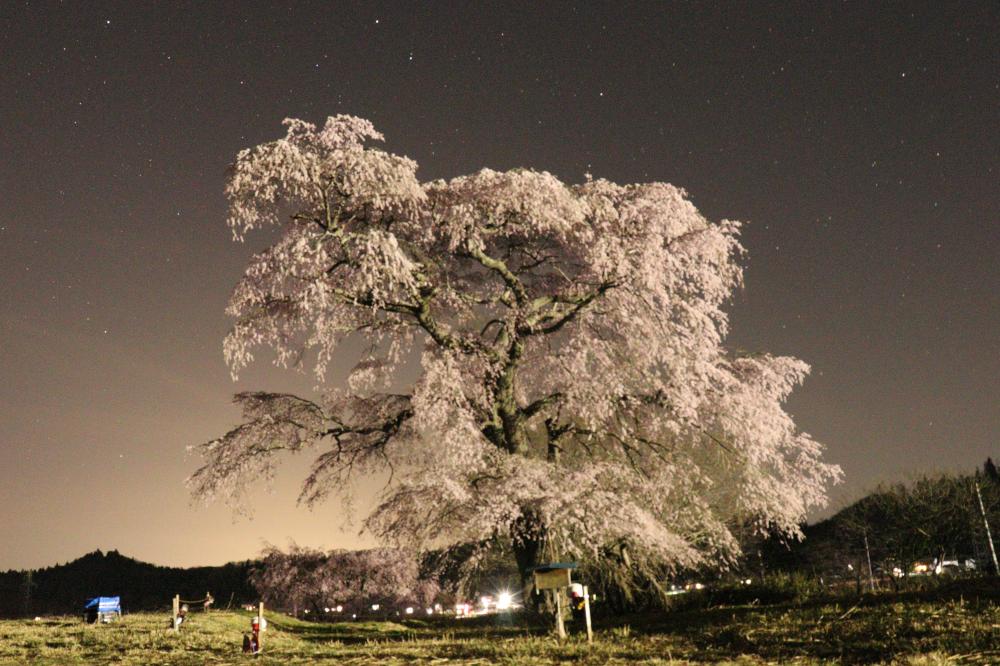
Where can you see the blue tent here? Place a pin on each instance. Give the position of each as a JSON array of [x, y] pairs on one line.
[[100, 608]]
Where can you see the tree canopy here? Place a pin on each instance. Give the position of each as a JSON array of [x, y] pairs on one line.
[[574, 393]]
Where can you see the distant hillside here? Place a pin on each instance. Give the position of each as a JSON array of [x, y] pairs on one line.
[[896, 525], [64, 588]]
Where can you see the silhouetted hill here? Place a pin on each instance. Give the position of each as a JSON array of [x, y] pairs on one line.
[[142, 586], [896, 525]]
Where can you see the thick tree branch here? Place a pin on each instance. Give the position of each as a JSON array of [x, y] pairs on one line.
[[556, 318], [511, 280], [540, 404]]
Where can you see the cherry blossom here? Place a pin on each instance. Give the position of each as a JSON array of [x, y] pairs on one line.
[[353, 580], [574, 389]]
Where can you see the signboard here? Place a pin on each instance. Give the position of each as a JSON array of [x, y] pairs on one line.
[[556, 576], [553, 576], [552, 579]]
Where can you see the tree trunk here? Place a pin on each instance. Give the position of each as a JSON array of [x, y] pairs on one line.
[[510, 415], [529, 543]]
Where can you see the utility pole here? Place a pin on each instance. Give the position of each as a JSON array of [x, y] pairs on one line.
[[868, 555], [986, 524]]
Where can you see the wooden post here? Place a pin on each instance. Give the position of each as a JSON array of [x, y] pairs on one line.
[[555, 577], [560, 627], [176, 612], [260, 623], [586, 614]]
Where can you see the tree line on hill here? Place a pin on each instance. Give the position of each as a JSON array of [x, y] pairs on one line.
[[934, 517], [296, 580], [63, 589]]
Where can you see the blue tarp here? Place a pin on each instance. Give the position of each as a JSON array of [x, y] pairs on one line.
[[104, 605]]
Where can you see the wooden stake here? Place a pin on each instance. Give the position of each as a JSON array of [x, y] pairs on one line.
[[586, 613], [260, 623], [560, 627]]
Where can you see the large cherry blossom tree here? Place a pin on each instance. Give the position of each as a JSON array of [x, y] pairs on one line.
[[573, 394]]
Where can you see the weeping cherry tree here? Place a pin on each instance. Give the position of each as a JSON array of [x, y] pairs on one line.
[[573, 397]]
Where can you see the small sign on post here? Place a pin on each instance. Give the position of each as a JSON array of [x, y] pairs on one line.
[[555, 576], [552, 579]]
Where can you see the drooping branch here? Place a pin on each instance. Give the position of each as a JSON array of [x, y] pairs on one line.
[[353, 446], [359, 429], [275, 422]]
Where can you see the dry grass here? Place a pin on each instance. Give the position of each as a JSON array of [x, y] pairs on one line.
[[895, 630]]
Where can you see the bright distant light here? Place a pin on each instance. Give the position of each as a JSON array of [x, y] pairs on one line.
[[340, 608], [484, 602], [430, 611], [409, 610], [504, 601], [375, 607], [325, 609]]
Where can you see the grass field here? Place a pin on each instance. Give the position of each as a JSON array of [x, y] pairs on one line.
[[959, 625]]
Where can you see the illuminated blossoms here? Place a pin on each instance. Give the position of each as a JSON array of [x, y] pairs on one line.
[[573, 390]]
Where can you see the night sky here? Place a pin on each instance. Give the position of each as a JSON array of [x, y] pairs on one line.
[[861, 142]]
